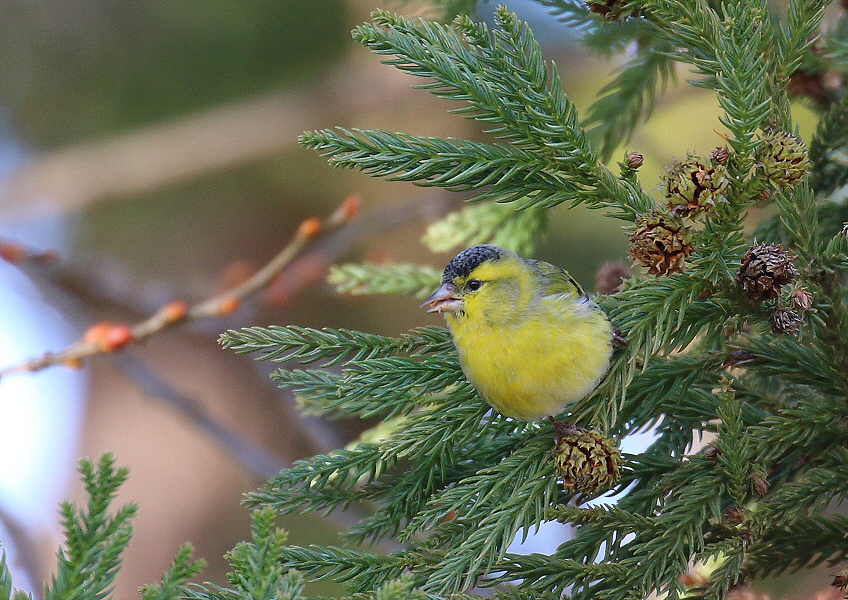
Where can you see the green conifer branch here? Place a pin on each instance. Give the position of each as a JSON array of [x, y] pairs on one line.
[[361, 570], [732, 553], [739, 72], [309, 345], [6, 588], [683, 387], [174, 584], [806, 543], [368, 278], [629, 98], [734, 453], [799, 216], [803, 18], [820, 486], [94, 540], [803, 431], [505, 82], [609, 518], [574, 13], [810, 364], [829, 149], [372, 386], [493, 509], [256, 571], [398, 589], [551, 575], [520, 96], [342, 470], [489, 222], [455, 421], [403, 496], [656, 320], [683, 521]]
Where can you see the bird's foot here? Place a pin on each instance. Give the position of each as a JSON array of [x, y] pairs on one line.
[[618, 340], [562, 429]]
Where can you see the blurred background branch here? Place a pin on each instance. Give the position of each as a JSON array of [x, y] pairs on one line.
[[163, 154]]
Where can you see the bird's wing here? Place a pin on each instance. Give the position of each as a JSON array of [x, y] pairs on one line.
[[555, 280]]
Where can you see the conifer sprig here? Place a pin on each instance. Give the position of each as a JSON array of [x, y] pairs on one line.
[[94, 539], [368, 278], [800, 33], [387, 386], [548, 159], [488, 222], [308, 345], [574, 13], [6, 588], [727, 50], [175, 581], [829, 150], [256, 569]]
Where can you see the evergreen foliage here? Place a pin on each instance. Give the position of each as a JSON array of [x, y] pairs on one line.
[[453, 481], [94, 540], [457, 483]]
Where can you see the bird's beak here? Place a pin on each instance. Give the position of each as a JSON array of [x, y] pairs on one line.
[[445, 299]]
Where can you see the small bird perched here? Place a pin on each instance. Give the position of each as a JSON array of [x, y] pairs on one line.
[[528, 337]]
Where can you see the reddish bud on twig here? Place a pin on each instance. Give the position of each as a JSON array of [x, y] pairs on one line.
[[760, 485], [228, 305], [108, 337], [634, 160], [349, 207], [117, 337], [174, 311], [96, 332], [802, 299], [309, 228]]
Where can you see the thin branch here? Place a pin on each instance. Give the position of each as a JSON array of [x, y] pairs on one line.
[[254, 457], [105, 337]]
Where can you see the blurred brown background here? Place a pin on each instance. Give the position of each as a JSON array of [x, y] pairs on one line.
[[159, 140]]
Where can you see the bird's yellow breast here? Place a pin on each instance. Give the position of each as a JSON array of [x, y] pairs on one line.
[[536, 365]]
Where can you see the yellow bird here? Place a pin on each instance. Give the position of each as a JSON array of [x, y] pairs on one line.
[[528, 337]]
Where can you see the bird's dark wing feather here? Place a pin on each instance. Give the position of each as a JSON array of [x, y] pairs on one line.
[[555, 280]]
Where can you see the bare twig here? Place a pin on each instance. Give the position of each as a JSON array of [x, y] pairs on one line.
[[253, 457], [105, 337]]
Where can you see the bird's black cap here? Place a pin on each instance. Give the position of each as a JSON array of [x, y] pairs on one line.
[[468, 260]]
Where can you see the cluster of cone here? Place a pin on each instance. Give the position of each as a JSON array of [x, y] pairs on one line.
[[695, 187]]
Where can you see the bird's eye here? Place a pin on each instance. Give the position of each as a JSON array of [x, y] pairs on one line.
[[474, 285]]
